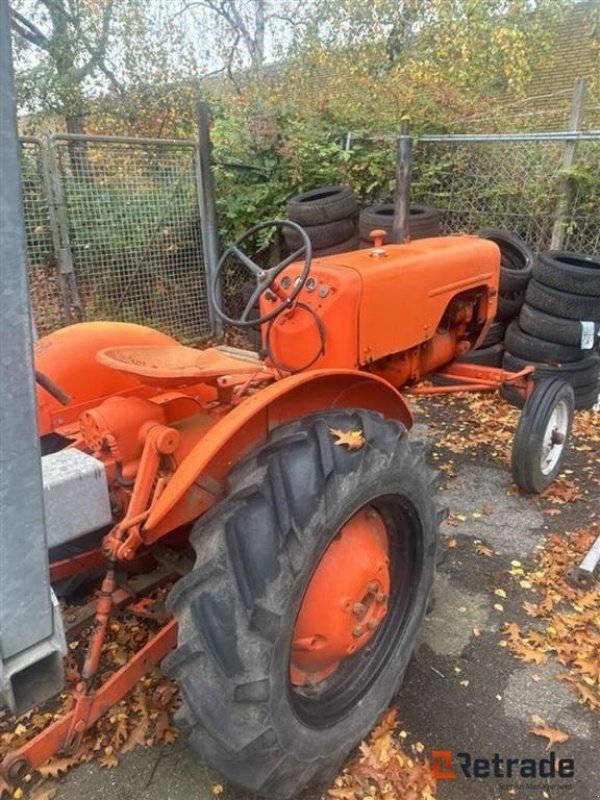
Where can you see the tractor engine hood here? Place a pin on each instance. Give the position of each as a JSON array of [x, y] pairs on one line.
[[359, 307]]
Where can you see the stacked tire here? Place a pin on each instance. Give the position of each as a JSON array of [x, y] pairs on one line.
[[424, 221], [516, 262], [516, 265], [558, 328], [329, 216]]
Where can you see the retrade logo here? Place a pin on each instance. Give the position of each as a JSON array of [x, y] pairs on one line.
[[443, 766]]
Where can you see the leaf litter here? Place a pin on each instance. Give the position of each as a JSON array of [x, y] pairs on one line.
[[142, 718], [567, 618], [384, 769]]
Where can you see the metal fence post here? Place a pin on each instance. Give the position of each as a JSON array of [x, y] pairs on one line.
[[401, 224], [55, 232], [208, 209], [566, 182], [64, 253]]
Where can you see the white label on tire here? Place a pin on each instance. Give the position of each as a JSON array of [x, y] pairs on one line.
[[587, 335]]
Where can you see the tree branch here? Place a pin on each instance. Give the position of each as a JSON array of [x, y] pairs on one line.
[[97, 52], [25, 28]]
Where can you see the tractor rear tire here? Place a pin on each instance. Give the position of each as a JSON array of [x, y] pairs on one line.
[[257, 553], [542, 435]]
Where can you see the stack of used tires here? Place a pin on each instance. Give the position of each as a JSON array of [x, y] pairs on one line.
[[424, 221], [559, 325], [516, 262], [516, 265], [329, 216]]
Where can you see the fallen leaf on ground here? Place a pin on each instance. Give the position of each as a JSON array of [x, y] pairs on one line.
[[44, 793], [562, 490], [566, 618], [554, 735], [57, 766], [110, 760], [383, 770], [137, 737]]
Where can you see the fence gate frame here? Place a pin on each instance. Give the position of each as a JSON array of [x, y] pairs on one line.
[[54, 189]]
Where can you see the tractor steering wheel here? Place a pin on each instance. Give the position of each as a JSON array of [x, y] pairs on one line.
[[265, 278]]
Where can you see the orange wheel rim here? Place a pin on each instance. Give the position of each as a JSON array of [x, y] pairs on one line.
[[346, 599]]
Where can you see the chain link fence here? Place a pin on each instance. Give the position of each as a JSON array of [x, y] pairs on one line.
[[515, 184], [115, 231], [45, 293], [116, 228], [133, 229]]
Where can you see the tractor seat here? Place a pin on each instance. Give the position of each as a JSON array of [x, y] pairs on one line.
[[177, 365]]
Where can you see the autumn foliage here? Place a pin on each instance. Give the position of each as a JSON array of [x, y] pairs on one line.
[[566, 624], [384, 769]]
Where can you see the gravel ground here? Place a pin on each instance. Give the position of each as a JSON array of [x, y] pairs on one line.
[[462, 692]]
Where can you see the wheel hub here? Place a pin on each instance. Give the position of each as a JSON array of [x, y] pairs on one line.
[[345, 602], [554, 437]]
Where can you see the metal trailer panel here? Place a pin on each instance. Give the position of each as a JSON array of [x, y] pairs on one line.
[[26, 612]]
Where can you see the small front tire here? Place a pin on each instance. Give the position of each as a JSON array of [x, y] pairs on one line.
[[542, 435]]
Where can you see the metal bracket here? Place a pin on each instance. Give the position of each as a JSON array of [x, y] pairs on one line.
[[65, 261]]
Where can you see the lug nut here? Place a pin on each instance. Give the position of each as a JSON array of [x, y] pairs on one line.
[[381, 598], [373, 586], [358, 631], [371, 625], [358, 609]]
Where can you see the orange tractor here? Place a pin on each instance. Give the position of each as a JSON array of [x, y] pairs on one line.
[[294, 478]]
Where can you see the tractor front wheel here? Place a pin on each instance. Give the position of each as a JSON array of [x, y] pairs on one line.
[[311, 581]]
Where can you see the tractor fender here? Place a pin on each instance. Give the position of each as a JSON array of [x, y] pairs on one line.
[[68, 357], [201, 478]]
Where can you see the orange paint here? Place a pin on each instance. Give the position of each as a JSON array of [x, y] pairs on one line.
[[381, 302], [68, 357], [346, 600]]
